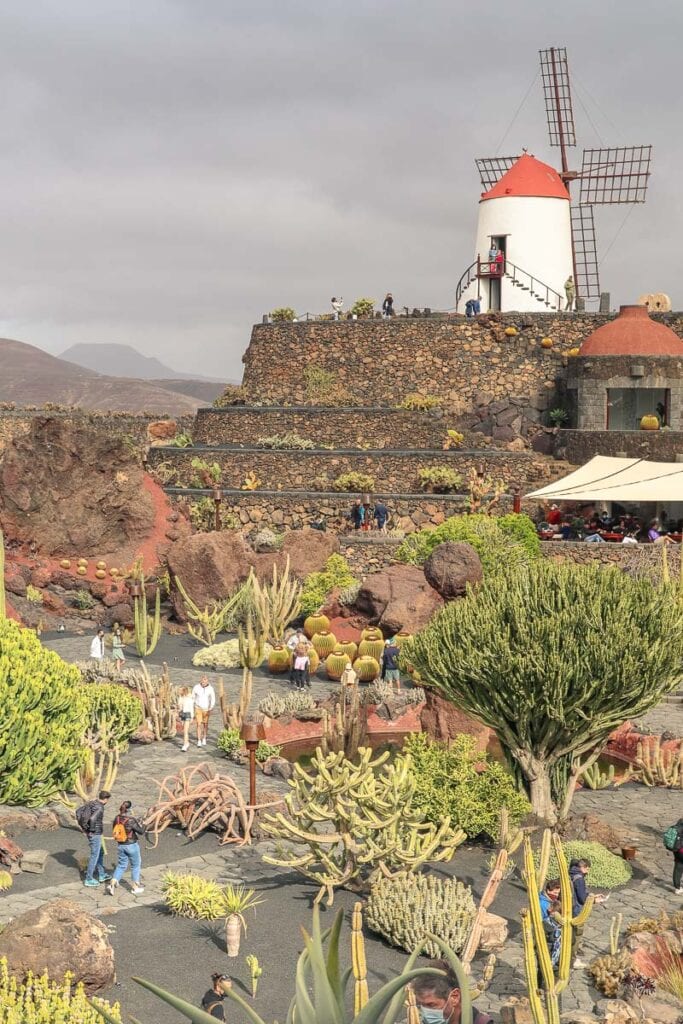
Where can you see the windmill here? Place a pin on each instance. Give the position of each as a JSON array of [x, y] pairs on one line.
[[607, 176]]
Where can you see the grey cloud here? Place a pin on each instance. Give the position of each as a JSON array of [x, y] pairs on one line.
[[171, 170]]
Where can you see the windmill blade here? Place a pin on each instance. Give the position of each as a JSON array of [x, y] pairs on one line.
[[618, 175], [585, 251], [492, 168], [557, 95]]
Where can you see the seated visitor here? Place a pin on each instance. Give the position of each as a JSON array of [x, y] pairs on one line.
[[554, 516], [605, 520], [653, 533], [594, 538], [630, 538]]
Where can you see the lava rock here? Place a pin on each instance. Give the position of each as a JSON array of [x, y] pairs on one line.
[[451, 566]]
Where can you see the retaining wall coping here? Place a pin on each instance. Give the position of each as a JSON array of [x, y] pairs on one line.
[[233, 492], [477, 452]]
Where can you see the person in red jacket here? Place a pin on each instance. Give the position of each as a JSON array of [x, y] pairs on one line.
[[554, 516]]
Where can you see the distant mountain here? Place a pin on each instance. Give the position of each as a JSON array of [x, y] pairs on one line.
[[204, 390], [29, 376], [126, 361]]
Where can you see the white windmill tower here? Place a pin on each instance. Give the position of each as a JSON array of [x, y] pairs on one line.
[[526, 211]]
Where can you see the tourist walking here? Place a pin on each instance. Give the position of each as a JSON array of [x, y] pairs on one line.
[[357, 514], [673, 841], [301, 665], [439, 999], [127, 831], [90, 818], [212, 1001], [569, 292], [204, 698], [117, 648], [388, 305], [381, 514], [390, 669], [186, 714], [97, 646], [578, 870]]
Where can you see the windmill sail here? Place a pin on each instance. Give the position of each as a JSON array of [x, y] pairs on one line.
[[585, 251], [616, 175], [558, 97], [492, 168]]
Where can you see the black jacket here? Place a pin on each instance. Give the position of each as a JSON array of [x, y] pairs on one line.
[[93, 813]]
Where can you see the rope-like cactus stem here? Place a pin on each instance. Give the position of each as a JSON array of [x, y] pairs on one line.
[[360, 969], [531, 971], [614, 930], [542, 951]]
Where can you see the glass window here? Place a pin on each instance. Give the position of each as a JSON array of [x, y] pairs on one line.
[[627, 406]]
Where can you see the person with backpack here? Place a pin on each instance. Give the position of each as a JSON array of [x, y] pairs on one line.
[[673, 841], [127, 831], [90, 818], [212, 1001]]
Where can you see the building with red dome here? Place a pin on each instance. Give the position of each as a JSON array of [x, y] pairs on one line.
[[629, 368]]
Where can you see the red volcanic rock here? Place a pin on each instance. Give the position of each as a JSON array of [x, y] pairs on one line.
[[53, 603], [68, 487], [398, 597], [40, 577], [451, 566], [15, 582], [211, 565], [161, 430], [121, 613], [443, 721]]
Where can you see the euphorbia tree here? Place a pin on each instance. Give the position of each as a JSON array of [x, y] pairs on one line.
[[553, 658]]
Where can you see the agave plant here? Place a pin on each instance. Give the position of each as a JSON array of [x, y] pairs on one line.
[[321, 987], [237, 900]]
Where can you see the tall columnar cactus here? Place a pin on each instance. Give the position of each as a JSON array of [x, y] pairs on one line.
[[147, 627], [348, 823], [536, 951], [3, 605], [101, 765], [657, 767], [251, 647], [158, 701], [346, 728], [204, 624], [276, 603]]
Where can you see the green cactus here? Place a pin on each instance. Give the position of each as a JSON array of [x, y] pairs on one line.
[[3, 604], [595, 778], [366, 668], [371, 648], [324, 643], [279, 659], [406, 908], [43, 721], [315, 624], [336, 662], [349, 647], [147, 627], [204, 624], [276, 603], [346, 823]]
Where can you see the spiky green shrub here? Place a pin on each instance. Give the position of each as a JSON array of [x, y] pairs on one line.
[[282, 315], [439, 480], [501, 543], [121, 708], [38, 1000], [404, 909], [297, 701], [83, 600], [318, 584], [266, 750], [417, 402], [354, 481], [607, 870], [34, 595], [363, 307], [272, 705], [223, 655], [43, 719], [188, 895], [465, 783], [230, 742]]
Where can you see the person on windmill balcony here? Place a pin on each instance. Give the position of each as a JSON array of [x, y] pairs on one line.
[[569, 292], [493, 255]]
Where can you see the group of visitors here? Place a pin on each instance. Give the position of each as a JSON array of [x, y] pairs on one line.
[[596, 527], [550, 909], [126, 833], [387, 306], [363, 513], [299, 645]]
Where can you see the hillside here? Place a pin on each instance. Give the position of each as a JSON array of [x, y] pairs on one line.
[[29, 376], [203, 390], [126, 361]]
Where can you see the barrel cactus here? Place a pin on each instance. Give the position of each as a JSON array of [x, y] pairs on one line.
[[65, 563], [336, 662], [316, 624], [372, 633], [279, 659], [324, 643], [404, 908], [366, 668], [43, 721], [402, 638], [350, 648], [371, 649], [314, 660]]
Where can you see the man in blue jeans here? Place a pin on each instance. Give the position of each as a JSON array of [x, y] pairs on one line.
[[90, 818]]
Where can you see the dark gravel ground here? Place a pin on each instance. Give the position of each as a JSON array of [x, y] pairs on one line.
[[180, 955]]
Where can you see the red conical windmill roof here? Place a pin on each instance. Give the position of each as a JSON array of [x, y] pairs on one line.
[[529, 177], [633, 333]]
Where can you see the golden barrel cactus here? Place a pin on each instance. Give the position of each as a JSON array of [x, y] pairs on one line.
[[371, 648], [324, 642], [279, 659], [316, 624], [366, 668], [336, 662]]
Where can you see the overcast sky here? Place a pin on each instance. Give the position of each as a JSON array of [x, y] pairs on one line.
[[172, 169]]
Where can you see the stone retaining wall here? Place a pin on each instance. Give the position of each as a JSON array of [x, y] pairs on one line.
[[292, 510], [644, 558], [578, 446], [394, 471], [16, 423]]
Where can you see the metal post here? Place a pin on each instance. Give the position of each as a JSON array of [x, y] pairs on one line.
[[516, 501], [251, 747], [217, 499]]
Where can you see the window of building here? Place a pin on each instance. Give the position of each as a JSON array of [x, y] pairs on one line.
[[627, 406]]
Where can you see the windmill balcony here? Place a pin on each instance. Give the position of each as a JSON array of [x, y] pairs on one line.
[[490, 269]]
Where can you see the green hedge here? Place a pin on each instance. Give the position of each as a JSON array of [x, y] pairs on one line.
[[44, 716], [318, 584], [501, 542], [465, 783]]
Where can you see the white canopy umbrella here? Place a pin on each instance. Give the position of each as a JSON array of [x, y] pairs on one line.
[[610, 479]]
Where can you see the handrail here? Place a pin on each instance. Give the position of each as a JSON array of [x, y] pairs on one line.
[[516, 275]]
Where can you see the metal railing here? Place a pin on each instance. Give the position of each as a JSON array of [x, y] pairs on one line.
[[518, 277]]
